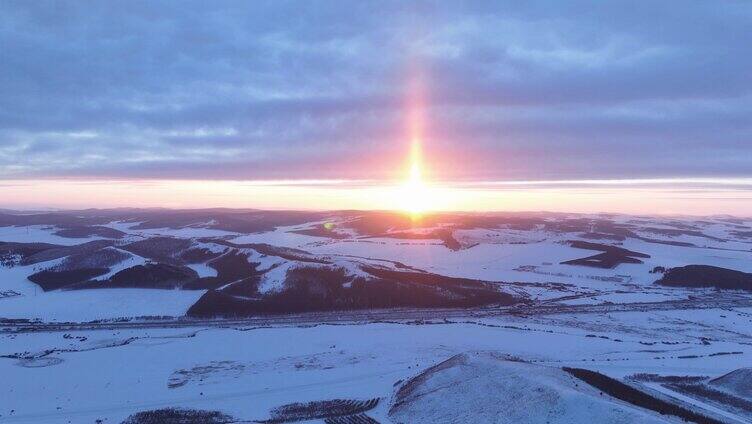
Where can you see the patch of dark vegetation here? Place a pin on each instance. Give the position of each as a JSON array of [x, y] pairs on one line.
[[733, 220], [611, 257], [8, 293], [667, 242], [103, 258], [150, 275], [691, 225], [310, 289], [738, 352], [288, 253], [8, 260], [576, 225], [231, 267], [78, 268], [13, 252], [323, 230], [156, 275], [15, 320], [706, 276], [459, 292], [53, 280], [160, 249], [672, 232], [629, 394], [445, 235], [83, 231], [658, 270], [247, 287], [741, 234], [232, 220], [655, 378], [604, 228], [202, 283], [198, 255], [58, 219], [200, 373], [406, 235], [371, 224], [510, 220], [602, 236], [56, 252], [26, 249], [179, 416], [738, 381], [703, 391], [39, 362], [608, 230], [320, 409], [351, 419]]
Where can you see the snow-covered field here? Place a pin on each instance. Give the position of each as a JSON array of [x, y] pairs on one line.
[[100, 304], [82, 353], [248, 371]]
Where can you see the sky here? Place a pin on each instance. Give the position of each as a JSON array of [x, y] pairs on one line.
[[277, 103]]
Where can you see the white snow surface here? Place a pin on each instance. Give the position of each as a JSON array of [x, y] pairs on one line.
[[97, 304], [40, 234], [203, 270]]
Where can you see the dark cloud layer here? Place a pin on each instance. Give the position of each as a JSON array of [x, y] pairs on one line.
[[255, 90]]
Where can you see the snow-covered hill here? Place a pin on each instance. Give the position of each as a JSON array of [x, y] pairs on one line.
[[489, 388]]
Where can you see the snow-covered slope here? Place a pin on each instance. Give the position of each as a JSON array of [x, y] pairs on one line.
[[738, 382], [487, 388]]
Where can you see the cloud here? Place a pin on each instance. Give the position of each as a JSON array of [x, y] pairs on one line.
[[233, 90]]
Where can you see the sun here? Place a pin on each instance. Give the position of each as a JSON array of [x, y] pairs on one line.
[[414, 196]]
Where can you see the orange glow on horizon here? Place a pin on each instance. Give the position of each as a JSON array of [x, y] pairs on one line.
[[683, 196]]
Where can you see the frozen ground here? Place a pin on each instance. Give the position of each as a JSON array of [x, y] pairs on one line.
[[59, 366]]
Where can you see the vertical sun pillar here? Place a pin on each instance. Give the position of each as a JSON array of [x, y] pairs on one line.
[[413, 196]]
